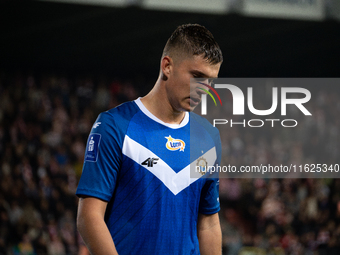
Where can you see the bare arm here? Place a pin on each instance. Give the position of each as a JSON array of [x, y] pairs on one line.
[[209, 234], [92, 228]]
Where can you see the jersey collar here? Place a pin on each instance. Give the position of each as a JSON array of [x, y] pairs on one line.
[[153, 117]]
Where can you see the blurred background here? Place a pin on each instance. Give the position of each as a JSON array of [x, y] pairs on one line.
[[63, 62]]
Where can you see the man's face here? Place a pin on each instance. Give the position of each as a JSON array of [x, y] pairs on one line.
[[183, 95]]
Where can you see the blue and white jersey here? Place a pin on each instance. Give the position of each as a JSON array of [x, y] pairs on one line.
[[141, 167]]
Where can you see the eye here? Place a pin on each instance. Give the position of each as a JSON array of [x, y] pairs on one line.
[[211, 81]]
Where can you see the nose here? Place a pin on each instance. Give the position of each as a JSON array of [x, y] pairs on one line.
[[202, 90], [204, 85]]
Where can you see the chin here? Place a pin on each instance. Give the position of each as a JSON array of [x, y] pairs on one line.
[[188, 107], [191, 109]]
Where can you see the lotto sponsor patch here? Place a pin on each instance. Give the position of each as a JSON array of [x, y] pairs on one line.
[[173, 144]]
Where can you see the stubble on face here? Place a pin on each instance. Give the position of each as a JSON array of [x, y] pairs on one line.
[[184, 95]]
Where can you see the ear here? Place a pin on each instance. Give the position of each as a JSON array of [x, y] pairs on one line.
[[166, 66]]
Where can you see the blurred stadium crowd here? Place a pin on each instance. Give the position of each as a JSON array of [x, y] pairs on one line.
[[44, 124]]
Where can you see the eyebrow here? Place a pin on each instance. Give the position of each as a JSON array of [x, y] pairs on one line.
[[201, 75]]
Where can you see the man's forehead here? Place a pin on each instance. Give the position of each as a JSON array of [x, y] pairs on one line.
[[202, 67]]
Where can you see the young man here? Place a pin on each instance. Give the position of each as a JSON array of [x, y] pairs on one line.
[[136, 194]]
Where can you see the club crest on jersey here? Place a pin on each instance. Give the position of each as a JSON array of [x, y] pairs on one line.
[[173, 144], [202, 165]]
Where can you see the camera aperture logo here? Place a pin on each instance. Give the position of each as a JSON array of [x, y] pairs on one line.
[[212, 89], [238, 105]]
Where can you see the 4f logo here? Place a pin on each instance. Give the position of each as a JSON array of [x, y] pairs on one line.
[[150, 162]]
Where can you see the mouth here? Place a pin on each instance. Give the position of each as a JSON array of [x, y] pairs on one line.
[[194, 101]]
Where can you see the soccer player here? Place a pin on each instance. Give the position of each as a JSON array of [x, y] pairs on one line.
[[136, 192]]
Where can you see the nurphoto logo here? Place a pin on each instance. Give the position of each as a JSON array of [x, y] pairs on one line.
[[280, 98]]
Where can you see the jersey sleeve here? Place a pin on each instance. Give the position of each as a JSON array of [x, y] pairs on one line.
[[209, 201], [102, 159]]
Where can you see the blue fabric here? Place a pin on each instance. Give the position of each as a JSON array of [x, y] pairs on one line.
[[143, 215]]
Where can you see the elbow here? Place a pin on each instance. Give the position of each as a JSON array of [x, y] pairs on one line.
[[80, 223]]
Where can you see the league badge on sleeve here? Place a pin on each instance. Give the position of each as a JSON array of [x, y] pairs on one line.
[[92, 147]]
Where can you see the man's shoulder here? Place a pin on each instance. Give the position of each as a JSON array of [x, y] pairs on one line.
[[125, 109], [196, 119], [118, 117]]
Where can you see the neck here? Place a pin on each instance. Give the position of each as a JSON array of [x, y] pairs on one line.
[[158, 104]]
